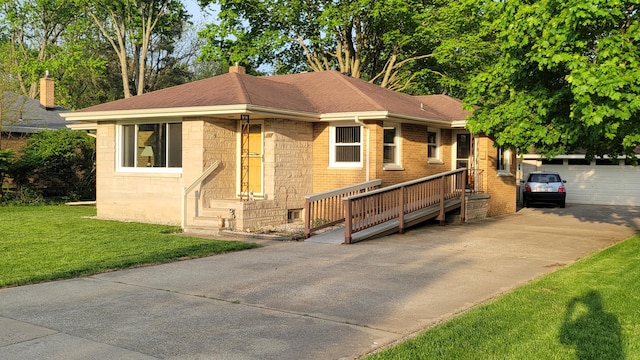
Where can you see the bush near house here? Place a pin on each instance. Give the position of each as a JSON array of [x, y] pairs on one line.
[[58, 164], [6, 160]]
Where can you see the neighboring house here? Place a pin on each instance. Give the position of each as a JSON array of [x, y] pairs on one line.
[[269, 141], [600, 181], [22, 116]]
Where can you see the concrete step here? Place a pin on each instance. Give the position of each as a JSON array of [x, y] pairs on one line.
[[209, 222], [201, 230], [214, 212]]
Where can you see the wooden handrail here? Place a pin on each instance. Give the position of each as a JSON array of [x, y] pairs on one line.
[[363, 211], [192, 186], [325, 208]]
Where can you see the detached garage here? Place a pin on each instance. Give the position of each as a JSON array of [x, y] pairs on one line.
[[601, 181]]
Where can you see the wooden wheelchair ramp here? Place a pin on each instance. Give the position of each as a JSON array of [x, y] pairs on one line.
[[392, 209]]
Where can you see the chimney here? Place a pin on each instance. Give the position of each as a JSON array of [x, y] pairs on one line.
[[237, 69], [46, 92]]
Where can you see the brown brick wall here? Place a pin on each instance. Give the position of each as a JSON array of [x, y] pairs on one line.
[[501, 187], [413, 157], [414, 160], [325, 178]]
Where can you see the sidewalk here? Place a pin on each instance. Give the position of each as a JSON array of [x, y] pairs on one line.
[[301, 300]]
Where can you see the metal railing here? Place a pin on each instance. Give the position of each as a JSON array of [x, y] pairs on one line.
[[476, 180], [376, 207], [325, 209]]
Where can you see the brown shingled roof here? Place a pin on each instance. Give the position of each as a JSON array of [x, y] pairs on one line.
[[326, 92], [332, 92], [227, 89], [445, 104]]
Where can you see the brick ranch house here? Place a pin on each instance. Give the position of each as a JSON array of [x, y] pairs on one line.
[[255, 146]]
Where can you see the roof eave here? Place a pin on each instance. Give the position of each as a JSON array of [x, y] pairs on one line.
[[82, 125], [234, 111], [459, 124], [181, 112], [386, 115]]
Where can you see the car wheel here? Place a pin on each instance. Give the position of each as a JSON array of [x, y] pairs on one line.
[[561, 204]]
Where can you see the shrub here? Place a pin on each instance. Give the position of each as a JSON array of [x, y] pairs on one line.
[[6, 161], [57, 164]]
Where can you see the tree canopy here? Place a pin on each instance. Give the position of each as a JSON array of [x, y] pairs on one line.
[[41, 35], [374, 40], [567, 78], [135, 29], [97, 50]]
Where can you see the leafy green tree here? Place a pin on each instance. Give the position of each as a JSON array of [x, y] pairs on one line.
[[172, 58], [372, 40], [58, 163], [415, 46], [464, 45], [567, 77], [134, 29], [40, 36]]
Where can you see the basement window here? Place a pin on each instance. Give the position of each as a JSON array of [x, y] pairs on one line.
[[294, 215]]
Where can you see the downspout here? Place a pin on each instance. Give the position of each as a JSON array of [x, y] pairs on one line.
[[368, 160]]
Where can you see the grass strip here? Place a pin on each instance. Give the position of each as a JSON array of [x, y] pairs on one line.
[[588, 310], [41, 243]]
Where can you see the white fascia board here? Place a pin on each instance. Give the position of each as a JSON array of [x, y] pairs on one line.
[[263, 111], [459, 124], [349, 116], [161, 112], [84, 125], [181, 112], [565, 156], [384, 115]]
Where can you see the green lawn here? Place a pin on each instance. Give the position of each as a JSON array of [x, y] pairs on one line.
[[40, 243], [590, 310]]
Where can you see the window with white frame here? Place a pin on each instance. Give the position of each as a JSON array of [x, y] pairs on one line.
[[391, 141], [150, 145], [503, 163], [433, 144], [345, 146]]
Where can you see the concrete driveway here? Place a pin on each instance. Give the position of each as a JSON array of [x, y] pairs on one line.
[[301, 300]]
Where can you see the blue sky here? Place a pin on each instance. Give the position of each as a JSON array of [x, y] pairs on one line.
[[198, 14]]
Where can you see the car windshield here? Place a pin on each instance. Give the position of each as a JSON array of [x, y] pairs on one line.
[[544, 178]]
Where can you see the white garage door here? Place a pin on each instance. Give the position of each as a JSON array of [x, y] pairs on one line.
[[596, 184]]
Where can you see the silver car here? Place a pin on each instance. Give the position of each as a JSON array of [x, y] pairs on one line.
[[544, 187]]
